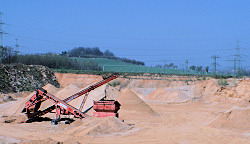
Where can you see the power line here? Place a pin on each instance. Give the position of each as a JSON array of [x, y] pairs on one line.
[[58, 42], [2, 33], [17, 48], [69, 43], [1, 30], [186, 65], [215, 64], [237, 65], [115, 37]]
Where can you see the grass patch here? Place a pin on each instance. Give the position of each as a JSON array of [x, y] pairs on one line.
[[222, 82]]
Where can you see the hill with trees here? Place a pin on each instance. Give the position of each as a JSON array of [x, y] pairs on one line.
[[97, 53]]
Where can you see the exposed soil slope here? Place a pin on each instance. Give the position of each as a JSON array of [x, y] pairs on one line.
[[205, 118], [133, 106], [80, 80], [19, 77], [235, 118]]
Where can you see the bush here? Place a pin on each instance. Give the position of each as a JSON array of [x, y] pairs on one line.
[[114, 83], [58, 62], [222, 82]]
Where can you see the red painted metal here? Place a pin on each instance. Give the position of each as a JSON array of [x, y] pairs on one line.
[[32, 106], [60, 105], [90, 88], [104, 114], [83, 101], [106, 108]]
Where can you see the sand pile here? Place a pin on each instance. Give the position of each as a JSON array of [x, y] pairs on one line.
[[238, 94], [17, 108], [49, 141], [140, 83], [19, 105], [52, 90], [143, 92], [62, 94], [17, 118], [243, 89], [109, 126], [98, 126], [80, 80], [205, 90], [158, 95], [43, 141], [112, 93], [235, 118], [96, 94], [179, 83], [67, 91], [164, 96], [132, 106]]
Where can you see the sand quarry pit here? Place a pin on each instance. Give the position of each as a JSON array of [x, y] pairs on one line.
[[152, 111]]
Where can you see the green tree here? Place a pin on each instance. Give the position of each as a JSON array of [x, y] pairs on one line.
[[193, 68], [206, 69], [199, 68]]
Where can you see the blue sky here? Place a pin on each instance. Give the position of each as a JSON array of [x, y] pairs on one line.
[[153, 31]]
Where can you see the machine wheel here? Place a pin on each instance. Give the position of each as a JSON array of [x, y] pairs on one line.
[[67, 122], [54, 122]]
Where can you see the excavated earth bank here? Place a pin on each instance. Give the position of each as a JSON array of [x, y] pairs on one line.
[[20, 77], [166, 110]]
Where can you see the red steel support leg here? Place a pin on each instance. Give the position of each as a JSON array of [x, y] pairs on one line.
[[58, 112], [83, 101]]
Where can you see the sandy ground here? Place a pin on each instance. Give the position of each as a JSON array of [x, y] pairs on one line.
[[152, 111]]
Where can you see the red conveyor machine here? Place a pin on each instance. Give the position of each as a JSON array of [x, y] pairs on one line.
[[102, 108]]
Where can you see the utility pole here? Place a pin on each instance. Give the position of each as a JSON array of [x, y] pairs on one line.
[[237, 66], [215, 64], [2, 33], [237, 59], [1, 30], [187, 65], [17, 48]]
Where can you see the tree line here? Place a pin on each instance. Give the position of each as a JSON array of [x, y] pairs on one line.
[[64, 60], [192, 68], [97, 53], [50, 60]]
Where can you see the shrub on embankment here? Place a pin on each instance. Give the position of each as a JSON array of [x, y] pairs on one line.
[[20, 77]]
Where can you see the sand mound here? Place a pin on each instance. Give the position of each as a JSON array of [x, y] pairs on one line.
[[162, 95], [96, 94], [19, 105], [235, 118], [51, 89], [44, 141], [132, 105], [62, 94], [237, 94], [18, 118], [143, 92], [140, 83], [98, 126], [243, 89], [112, 93], [80, 80], [70, 141], [158, 94], [109, 126], [67, 91]]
